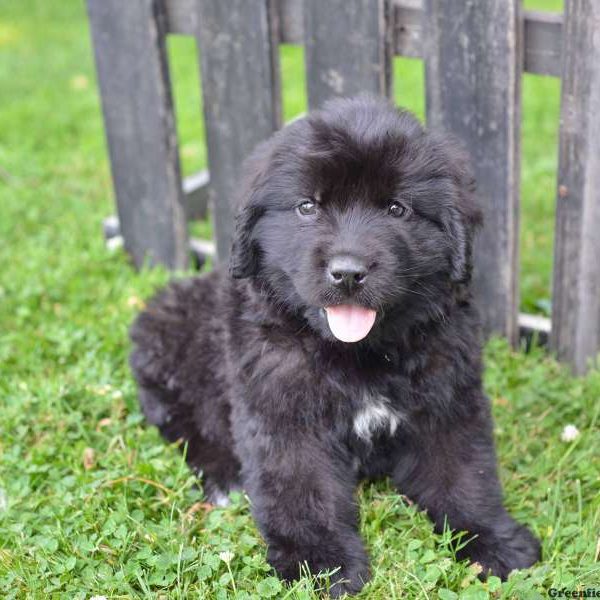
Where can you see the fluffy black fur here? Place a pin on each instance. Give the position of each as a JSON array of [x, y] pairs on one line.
[[245, 369]]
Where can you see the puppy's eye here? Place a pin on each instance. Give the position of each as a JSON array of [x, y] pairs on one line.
[[307, 208], [397, 209]]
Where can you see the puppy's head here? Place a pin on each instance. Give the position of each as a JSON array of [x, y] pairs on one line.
[[355, 213]]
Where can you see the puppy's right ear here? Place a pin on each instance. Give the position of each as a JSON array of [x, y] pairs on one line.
[[245, 251]]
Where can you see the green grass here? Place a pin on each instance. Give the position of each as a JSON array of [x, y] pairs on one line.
[[92, 502]]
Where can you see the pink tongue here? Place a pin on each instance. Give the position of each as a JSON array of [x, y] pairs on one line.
[[350, 323]]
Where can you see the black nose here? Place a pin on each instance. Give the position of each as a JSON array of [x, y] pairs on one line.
[[346, 271]]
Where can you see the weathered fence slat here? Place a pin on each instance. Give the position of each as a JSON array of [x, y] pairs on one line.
[[473, 69], [240, 87], [347, 49], [136, 99], [576, 298]]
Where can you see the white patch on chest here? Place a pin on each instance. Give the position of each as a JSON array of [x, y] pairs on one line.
[[375, 416]]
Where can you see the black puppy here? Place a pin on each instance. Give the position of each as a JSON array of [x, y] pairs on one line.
[[343, 345]]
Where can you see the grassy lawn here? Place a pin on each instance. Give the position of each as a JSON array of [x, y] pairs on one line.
[[91, 500]]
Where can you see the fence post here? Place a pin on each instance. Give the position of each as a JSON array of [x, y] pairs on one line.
[[240, 86], [348, 48], [576, 297], [473, 54], [135, 89]]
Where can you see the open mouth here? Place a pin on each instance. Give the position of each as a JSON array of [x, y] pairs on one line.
[[350, 323]]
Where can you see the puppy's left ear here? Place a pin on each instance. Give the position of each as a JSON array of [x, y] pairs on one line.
[[461, 235], [465, 217]]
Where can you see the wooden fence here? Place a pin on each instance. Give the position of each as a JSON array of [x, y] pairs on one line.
[[474, 52]]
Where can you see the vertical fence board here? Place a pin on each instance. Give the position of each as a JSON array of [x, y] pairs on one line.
[[473, 56], [240, 86], [576, 299], [140, 130], [348, 48]]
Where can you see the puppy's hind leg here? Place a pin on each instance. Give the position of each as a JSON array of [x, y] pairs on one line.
[[170, 390], [211, 459]]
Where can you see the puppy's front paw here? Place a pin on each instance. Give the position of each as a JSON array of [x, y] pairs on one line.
[[349, 580], [352, 566], [512, 547]]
